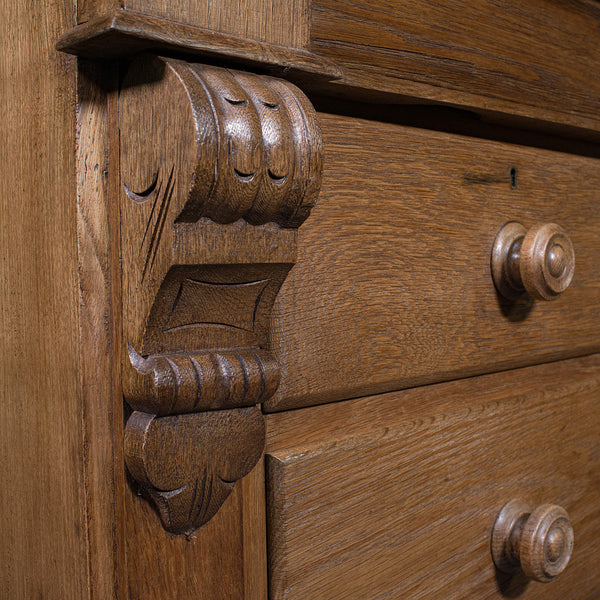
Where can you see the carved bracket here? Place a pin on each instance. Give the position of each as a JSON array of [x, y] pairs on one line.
[[218, 169]]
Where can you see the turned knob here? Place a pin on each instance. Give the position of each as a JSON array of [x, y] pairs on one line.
[[540, 261], [539, 542]]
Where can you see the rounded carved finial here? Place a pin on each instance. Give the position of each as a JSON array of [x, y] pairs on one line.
[[540, 261], [538, 542]]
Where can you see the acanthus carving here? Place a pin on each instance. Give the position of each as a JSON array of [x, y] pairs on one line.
[[218, 169]]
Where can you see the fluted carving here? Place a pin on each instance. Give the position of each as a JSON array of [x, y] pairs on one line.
[[198, 381], [218, 169]]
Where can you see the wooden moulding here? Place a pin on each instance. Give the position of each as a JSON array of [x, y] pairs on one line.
[[125, 32], [218, 169]]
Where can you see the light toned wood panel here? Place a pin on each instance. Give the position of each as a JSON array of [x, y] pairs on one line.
[[278, 22], [43, 548], [254, 521], [536, 59], [395, 496], [96, 322], [392, 287]]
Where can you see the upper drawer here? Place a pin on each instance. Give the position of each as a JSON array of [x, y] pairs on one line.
[[395, 496], [392, 287], [534, 59]]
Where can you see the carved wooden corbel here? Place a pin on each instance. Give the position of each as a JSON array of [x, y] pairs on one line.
[[218, 169]]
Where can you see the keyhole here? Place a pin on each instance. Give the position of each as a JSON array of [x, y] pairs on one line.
[[513, 178]]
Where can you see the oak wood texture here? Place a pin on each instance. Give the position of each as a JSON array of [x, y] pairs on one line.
[[101, 396], [539, 541], [540, 261], [123, 33], [218, 169], [43, 521], [536, 60], [284, 22], [392, 287], [188, 464], [223, 560], [395, 496], [547, 261]]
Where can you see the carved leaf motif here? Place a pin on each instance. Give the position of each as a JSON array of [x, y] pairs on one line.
[[188, 464]]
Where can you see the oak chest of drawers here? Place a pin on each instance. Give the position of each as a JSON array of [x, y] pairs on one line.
[[301, 300]]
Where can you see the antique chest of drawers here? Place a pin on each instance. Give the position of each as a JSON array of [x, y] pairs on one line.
[[313, 308]]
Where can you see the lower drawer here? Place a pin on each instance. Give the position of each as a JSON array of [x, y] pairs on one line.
[[395, 496]]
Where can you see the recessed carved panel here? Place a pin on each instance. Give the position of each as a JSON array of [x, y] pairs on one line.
[[198, 302], [217, 168]]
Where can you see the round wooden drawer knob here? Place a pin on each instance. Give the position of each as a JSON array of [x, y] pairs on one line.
[[539, 542], [540, 261]]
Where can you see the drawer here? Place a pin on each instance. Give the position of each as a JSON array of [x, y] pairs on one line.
[[392, 287], [395, 496], [536, 59]]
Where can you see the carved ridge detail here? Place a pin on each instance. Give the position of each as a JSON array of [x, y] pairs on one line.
[[218, 168], [199, 381]]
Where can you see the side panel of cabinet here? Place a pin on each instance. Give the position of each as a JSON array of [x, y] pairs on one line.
[[42, 509]]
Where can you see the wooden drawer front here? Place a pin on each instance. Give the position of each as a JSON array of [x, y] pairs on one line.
[[392, 287], [395, 496], [534, 59]]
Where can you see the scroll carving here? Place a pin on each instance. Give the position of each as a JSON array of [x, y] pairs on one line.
[[218, 169]]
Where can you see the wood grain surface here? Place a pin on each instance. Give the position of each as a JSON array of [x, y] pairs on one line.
[[537, 59], [43, 548], [98, 325], [283, 22], [123, 33], [240, 155], [392, 287], [224, 560], [395, 496]]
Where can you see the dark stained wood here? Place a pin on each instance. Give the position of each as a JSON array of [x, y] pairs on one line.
[[537, 59], [547, 261], [223, 560], [226, 558], [188, 464], [393, 288], [540, 261], [395, 496], [254, 526], [43, 522], [537, 541], [123, 33], [205, 149], [284, 22]]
